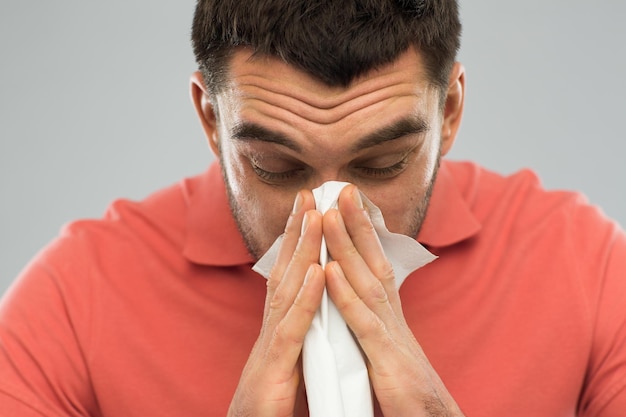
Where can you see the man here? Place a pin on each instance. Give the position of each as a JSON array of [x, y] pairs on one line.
[[154, 310]]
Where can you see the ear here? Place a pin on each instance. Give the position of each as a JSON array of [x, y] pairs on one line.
[[453, 109], [204, 109]]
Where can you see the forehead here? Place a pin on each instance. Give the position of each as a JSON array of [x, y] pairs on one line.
[[267, 91], [262, 71]]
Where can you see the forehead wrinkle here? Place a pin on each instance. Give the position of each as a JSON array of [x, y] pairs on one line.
[[319, 143], [328, 98], [298, 131], [302, 110]]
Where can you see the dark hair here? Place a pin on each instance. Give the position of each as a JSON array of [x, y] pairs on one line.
[[335, 41]]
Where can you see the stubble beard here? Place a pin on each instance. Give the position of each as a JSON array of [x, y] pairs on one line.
[[420, 212], [245, 229]]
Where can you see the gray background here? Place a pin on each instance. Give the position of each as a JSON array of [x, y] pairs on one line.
[[94, 104]]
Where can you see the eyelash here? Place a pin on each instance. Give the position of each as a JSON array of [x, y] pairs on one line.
[[386, 171], [293, 173], [275, 176]]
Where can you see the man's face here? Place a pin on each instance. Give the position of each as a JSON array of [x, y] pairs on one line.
[[279, 131]]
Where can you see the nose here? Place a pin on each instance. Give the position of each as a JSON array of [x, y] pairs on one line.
[[328, 175]]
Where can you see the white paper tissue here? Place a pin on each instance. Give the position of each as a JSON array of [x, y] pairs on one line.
[[335, 374]]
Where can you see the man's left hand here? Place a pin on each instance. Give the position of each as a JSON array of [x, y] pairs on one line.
[[362, 285]]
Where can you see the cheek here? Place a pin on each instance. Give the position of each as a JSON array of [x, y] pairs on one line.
[[242, 189], [428, 161], [399, 212], [263, 209], [266, 214], [402, 201], [236, 175]]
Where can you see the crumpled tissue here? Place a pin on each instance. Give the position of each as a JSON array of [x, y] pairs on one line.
[[335, 373]]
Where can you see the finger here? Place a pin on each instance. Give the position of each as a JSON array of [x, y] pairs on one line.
[[371, 331], [304, 202], [363, 235], [288, 336], [282, 296], [360, 277], [359, 227]]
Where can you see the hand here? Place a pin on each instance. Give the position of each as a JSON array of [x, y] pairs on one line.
[[270, 384], [361, 283]]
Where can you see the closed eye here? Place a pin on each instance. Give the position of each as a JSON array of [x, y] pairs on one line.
[[384, 172], [281, 176]]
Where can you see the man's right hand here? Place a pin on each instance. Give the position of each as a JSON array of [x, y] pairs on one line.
[[270, 380]]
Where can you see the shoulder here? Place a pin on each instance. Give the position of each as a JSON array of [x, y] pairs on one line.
[[130, 237], [550, 230], [519, 201], [132, 244], [54, 316], [159, 213], [556, 260], [155, 224]]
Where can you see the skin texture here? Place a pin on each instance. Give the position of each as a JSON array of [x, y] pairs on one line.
[[280, 133]]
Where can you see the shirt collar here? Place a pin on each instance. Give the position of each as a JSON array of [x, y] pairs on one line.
[[212, 236], [449, 219]]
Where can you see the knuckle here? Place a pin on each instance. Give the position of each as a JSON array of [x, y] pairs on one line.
[[274, 280], [367, 224], [385, 271], [303, 255], [347, 303], [277, 301], [364, 225], [376, 293], [372, 328], [284, 336], [304, 307], [298, 253], [348, 251]]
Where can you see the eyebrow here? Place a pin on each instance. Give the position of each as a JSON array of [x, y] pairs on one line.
[[248, 131], [404, 127]]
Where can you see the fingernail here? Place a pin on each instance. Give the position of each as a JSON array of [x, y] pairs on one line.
[[297, 204], [356, 196], [337, 269], [309, 274], [305, 223], [340, 220]]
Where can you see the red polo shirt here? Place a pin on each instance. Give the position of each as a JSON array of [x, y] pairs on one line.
[[153, 310]]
